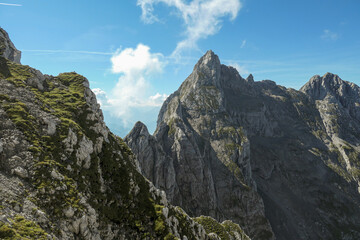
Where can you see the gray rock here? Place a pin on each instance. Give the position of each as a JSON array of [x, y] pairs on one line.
[[214, 236], [56, 176], [7, 48], [196, 155], [83, 153], [51, 125], [37, 81], [19, 171], [258, 153], [70, 141]]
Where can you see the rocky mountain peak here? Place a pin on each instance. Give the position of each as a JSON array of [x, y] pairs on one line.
[[210, 73], [250, 78], [207, 70], [7, 48], [140, 129], [209, 60], [248, 151], [328, 85]]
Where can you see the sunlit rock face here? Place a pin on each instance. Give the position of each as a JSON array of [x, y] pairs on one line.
[[280, 162]]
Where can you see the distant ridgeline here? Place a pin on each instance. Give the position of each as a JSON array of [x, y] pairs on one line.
[[281, 163], [64, 175]]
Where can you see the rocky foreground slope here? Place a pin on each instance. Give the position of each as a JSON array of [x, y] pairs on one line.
[[64, 175], [281, 163]]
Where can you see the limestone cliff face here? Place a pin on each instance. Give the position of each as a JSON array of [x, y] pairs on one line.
[[338, 103], [259, 153], [198, 156], [64, 175]]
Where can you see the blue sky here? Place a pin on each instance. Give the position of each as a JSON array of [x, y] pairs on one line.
[[137, 52]]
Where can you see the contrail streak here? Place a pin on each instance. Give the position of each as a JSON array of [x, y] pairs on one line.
[[11, 4]]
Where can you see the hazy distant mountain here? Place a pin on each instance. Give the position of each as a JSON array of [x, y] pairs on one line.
[[280, 162], [64, 175]]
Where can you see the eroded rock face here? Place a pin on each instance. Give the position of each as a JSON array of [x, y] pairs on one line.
[[227, 146], [338, 103], [7, 48], [198, 157]]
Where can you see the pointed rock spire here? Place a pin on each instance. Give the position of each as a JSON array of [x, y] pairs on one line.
[[250, 78], [139, 129], [207, 70], [210, 61]]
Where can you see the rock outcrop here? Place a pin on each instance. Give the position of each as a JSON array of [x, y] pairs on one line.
[[259, 153], [64, 175], [7, 48]]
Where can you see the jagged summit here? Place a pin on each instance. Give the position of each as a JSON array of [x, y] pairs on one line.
[[7, 48], [335, 90], [209, 60], [209, 71], [330, 84]]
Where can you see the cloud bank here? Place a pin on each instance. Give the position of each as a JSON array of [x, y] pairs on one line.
[[202, 18], [131, 92]]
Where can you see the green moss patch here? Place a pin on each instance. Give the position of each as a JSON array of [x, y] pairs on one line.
[[231, 228], [18, 74], [233, 132], [212, 226], [184, 222], [237, 173], [21, 228], [63, 97]]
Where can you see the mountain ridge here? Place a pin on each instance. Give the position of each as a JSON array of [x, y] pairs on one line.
[[64, 175], [299, 150]]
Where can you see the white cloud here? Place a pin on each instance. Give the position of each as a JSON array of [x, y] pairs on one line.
[[132, 92], [100, 96], [329, 35], [243, 43], [11, 4], [202, 18], [157, 99], [241, 69], [140, 60]]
